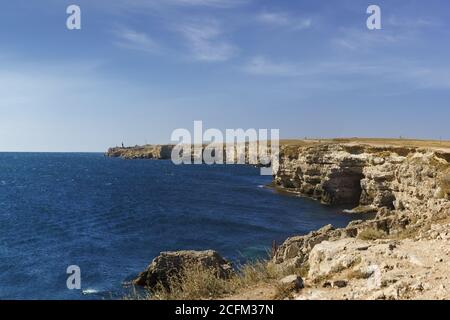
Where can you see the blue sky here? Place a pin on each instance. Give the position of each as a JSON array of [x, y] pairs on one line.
[[139, 69]]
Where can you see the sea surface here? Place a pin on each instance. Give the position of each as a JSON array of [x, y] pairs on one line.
[[111, 217]]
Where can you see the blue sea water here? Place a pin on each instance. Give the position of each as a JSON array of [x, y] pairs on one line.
[[111, 217]]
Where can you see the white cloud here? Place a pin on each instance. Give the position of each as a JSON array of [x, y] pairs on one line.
[[206, 41], [413, 23], [220, 4], [358, 39], [429, 77], [208, 3], [283, 19], [134, 40], [414, 73], [261, 66]]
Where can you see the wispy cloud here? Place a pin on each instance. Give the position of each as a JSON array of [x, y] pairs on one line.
[[208, 3], [414, 73], [284, 19], [357, 39], [135, 40], [220, 4], [206, 41], [409, 22], [262, 66], [430, 77]]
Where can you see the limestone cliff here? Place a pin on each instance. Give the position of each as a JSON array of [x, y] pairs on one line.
[[363, 175], [406, 188], [157, 152], [242, 152]]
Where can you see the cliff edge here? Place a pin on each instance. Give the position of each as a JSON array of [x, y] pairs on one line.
[[403, 252]]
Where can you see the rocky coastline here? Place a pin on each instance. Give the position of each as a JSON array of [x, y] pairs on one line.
[[403, 252]]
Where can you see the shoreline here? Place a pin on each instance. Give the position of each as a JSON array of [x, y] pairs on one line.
[[407, 190]]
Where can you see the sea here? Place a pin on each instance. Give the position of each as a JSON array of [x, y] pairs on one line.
[[110, 217]]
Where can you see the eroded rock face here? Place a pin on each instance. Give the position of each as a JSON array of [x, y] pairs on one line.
[[169, 264], [324, 172], [295, 251], [157, 152], [395, 178], [402, 185], [381, 269], [328, 257]]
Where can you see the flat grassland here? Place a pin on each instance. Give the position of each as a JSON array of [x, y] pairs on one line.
[[443, 145]]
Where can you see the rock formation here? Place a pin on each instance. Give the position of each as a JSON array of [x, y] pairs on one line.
[[402, 185], [381, 269], [169, 264], [243, 153], [157, 152], [408, 191]]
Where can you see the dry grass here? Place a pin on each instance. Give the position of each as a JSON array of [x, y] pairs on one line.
[[301, 271], [399, 142], [445, 184], [193, 284], [371, 234], [415, 229], [356, 274], [283, 291], [197, 283], [415, 143], [409, 232]]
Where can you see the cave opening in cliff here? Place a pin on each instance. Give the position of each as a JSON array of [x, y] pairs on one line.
[[343, 187]]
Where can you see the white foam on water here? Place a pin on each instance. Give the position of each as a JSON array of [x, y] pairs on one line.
[[89, 291]]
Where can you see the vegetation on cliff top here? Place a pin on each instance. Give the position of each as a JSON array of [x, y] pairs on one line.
[[196, 283], [445, 183]]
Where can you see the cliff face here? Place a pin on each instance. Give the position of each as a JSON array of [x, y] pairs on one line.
[[157, 152], [243, 153], [405, 187], [358, 175], [408, 190]]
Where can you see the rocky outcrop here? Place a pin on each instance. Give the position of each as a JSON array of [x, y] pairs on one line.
[[173, 264], [295, 251], [360, 175], [405, 187], [382, 269], [243, 153], [292, 282], [328, 173], [157, 152]]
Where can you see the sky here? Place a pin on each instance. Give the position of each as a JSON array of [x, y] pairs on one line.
[[139, 69]]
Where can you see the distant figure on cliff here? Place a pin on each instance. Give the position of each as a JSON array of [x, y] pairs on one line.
[[123, 145]]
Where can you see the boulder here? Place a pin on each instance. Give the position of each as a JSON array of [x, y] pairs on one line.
[[293, 282], [328, 258], [170, 264]]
